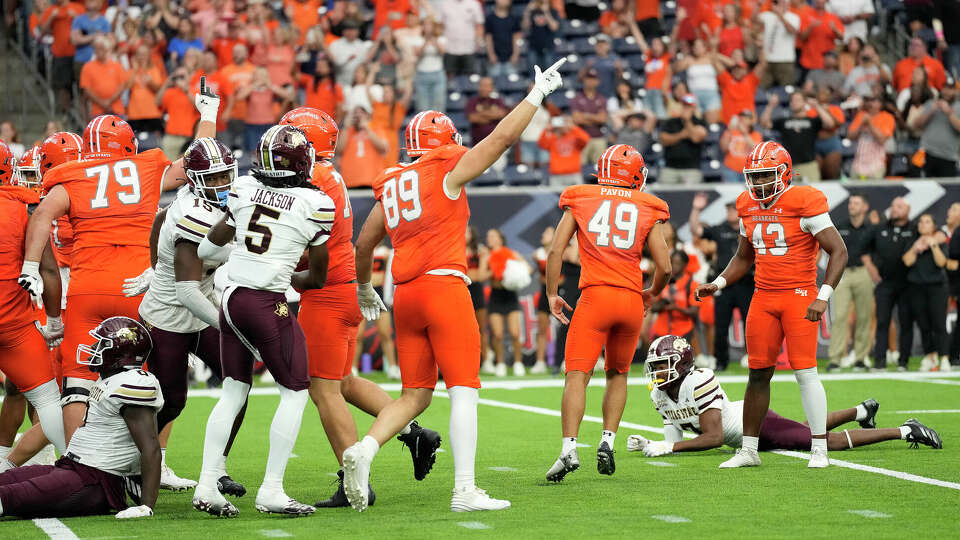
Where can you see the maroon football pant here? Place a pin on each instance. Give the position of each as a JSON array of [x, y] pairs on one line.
[[168, 362], [779, 433], [61, 490]]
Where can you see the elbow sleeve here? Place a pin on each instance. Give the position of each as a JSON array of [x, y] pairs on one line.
[[189, 294]]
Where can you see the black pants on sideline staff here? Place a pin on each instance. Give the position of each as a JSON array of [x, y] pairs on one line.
[[929, 307], [889, 294], [737, 295], [955, 336]]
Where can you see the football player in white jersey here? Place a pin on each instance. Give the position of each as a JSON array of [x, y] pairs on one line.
[[692, 400], [114, 452], [179, 307], [275, 215]]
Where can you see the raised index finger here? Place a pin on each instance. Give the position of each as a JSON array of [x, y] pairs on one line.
[[556, 65]]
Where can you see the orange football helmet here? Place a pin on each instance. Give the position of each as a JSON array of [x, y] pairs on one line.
[[429, 130], [321, 129], [109, 136], [58, 148], [7, 164], [768, 170], [28, 169], [622, 165]]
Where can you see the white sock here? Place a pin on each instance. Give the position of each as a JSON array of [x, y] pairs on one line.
[[904, 431], [463, 434], [46, 400], [861, 413], [406, 428], [5, 451], [283, 436], [608, 437], [567, 444], [818, 443], [750, 443], [814, 399], [219, 424], [370, 446], [221, 466], [163, 457]]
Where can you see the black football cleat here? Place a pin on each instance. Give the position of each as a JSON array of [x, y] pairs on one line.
[[423, 444], [921, 434], [605, 463], [339, 497], [870, 422], [229, 486]]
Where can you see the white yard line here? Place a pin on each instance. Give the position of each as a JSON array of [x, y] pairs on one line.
[[55, 529], [929, 411]]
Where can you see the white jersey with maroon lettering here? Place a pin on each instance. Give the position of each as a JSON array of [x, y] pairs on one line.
[[699, 392], [274, 226]]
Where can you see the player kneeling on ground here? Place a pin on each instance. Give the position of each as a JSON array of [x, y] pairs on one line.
[[691, 399], [115, 448]]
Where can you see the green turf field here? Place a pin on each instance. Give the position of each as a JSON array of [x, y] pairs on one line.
[[672, 496]]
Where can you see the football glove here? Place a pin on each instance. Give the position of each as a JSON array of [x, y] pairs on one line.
[[135, 512], [207, 102], [52, 331], [636, 443], [657, 448], [545, 82], [136, 286], [370, 303], [31, 282]]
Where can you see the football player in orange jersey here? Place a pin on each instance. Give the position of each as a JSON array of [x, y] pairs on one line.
[[330, 317], [423, 208], [782, 229], [111, 196], [24, 355], [56, 149], [613, 221]]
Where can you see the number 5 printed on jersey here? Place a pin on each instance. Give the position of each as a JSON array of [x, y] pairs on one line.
[[125, 174], [401, 198], [624, 219]]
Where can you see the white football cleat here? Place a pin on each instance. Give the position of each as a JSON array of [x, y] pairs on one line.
[[500, 370], [210, 500], [743, 458], [356, 476], [473, 499], [538, 368], [519, 369], [278, 502], [170, 481], [818, 459], [564, 465]]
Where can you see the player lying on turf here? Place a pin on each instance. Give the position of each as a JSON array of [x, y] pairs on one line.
[[116, 447], [691, 399]]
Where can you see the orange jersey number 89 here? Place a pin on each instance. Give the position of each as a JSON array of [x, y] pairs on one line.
[[403, 190], [125, 174], [624, 219], [779, 247]]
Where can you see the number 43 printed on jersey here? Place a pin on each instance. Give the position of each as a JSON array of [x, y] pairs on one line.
[[778, 233]]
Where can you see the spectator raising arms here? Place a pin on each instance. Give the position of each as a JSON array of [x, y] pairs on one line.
[[173, 99], [780, 27], [798, 131], [540, 27], [818, 34], [565, 142], [738, 88], [871, 128], [322, 91], [240, 75], [701, 69], [430, 80], [736, 142], [185, 40], [658, 73], [260, 97], [868, 72]]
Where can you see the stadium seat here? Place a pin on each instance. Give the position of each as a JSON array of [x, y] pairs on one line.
[[626, 46], [573, 29], [710, 170], [147, 140], [489, 178], [511, 83], [244, 161], [573, 66], [583, 46], [523, 175]]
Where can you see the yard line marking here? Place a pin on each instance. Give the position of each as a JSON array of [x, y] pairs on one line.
[[872, 514], [929, 411], [582, 445], [937, 381], [275, 533], [55, 529], [876, 470], [502, 469], [476, 525], [660, 463], [671, 519]]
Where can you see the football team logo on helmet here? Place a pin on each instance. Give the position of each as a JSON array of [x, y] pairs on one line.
[[669, 359], [429, 130], [109, 136], [768, 171], [319, 127], [211, 170], [57, 149], [7, 165], [285, 158], [27, 172], [622, 165], [121, 343]]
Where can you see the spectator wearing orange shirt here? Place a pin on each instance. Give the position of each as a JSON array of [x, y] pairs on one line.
[[677, 309], [303, 15], [223, 44], [146, 78], [173, 98], [658, 76], [647, 14], [389, 109], [219, 84], [828, 147], [391, 13], [363, 149], [281, 56], [918, 56], [322, 91], [871, 128], [57, 20], [736, 143], [738, 88], [103, 81], [818, 34], [565, 141], [240, 75], [261, 97], [733, 32], [619, 21]]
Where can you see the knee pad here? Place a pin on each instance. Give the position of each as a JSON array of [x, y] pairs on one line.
[[806, 376], [76, 390], [235, 394]]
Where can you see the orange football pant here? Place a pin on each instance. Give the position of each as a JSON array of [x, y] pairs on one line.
[[777, 314], [436, 328], [330, 317], [25, 358], [609, 318], [85, 313]]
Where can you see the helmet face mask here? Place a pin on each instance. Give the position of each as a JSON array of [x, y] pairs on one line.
[[669, 360], [767, 171], [764, 184], [121, 344], [662, 370], [213, 185]]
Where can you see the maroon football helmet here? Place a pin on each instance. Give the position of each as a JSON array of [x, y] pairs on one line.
[[211, 170], [284, 158], [669, 360], [122, 343]]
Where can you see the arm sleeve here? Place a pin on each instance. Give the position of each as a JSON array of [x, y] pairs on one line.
[[815, 224], [188, 294]]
